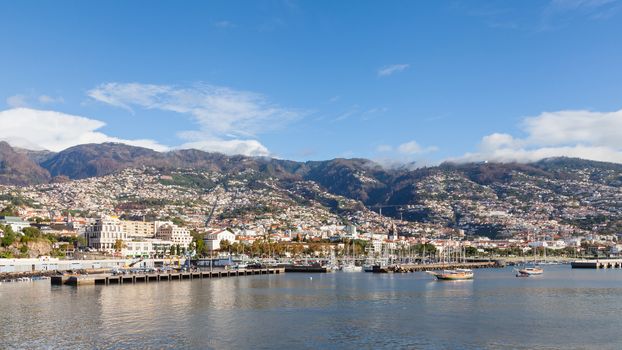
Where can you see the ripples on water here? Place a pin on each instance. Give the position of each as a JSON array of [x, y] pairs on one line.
[[564, 309]]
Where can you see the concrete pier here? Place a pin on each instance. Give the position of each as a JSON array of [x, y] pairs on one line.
[[597, 264], [107, 279]]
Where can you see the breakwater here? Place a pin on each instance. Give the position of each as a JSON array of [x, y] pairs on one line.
[[438, 266]]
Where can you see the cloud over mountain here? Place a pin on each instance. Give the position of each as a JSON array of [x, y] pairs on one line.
[[571, 133]]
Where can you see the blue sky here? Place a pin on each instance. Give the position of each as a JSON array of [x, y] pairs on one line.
[[393, 81]]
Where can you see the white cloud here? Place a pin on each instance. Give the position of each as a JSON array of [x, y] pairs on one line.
[[572, 133], [45, 99], [219, 111], [17, 101], [245, 147], [412, 147], [394, 68], [55, 131]]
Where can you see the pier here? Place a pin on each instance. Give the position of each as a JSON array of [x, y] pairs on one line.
[[597, 264], [108, 279], [437, 266]]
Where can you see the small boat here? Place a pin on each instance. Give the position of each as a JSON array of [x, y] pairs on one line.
[[530, 271], [351, 268], [368, 267], [453, 275]]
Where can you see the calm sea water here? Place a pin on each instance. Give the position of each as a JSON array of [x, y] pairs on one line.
[[564, 309]]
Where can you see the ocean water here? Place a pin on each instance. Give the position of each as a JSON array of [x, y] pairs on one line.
[[563, 309]]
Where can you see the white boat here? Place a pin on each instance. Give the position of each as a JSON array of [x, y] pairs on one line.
[[530, 271], [351, 268]]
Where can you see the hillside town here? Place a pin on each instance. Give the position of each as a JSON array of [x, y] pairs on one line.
[[146, 213]]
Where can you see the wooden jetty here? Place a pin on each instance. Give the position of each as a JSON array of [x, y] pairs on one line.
[[437, 266], [107, 278]]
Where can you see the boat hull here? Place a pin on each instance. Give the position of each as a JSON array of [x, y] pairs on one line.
[[454, 278], [453, 275]]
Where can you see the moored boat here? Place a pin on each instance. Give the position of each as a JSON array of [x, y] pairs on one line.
[[453, 275], [530, 271], [351, 268]]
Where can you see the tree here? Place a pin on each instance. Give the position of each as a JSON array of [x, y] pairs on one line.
[[200, 243], [9, 236], [471, 251], [118, 245], [225, 245], [178, 221], [9, 210], [31, 232]]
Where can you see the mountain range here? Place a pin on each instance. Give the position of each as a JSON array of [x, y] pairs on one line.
[[358, 179]]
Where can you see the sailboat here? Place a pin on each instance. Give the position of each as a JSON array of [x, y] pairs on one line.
[[532, 270], [349, 265]]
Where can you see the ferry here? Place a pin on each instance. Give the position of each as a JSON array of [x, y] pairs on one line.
[[453, 275]]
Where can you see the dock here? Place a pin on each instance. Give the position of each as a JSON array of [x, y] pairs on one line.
[[307, 269], [597, 264], [108, 279]]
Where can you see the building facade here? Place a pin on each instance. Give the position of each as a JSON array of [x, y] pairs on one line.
[[104, 233], [176, 234]]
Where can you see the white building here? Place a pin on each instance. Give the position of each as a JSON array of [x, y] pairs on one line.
[[212, 240], [103, 233], [16, 223], [176, 234], [137, 249]]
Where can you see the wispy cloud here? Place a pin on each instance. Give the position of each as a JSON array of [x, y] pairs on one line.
[[384, 148], [545, 16], [223, 24], [392, 69], [410, 148], [45, 99], [559, 12], [222, 114], [413, 147], [17, 101], [334, 99]]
